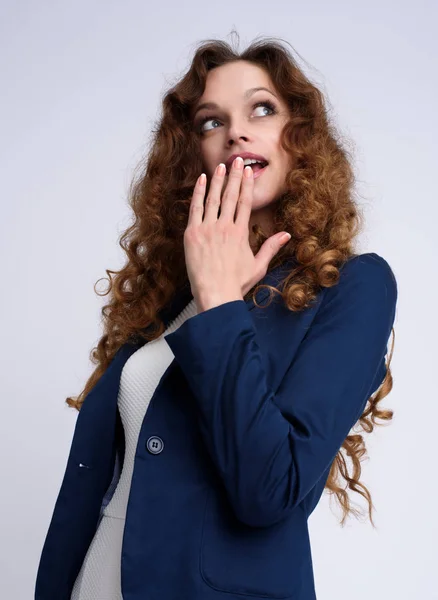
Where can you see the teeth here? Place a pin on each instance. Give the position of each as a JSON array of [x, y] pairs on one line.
[[250, 161]]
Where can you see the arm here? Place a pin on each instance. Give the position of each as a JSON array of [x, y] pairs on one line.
[[269, 459]]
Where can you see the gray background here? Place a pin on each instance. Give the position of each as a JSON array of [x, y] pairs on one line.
[[81, 86]]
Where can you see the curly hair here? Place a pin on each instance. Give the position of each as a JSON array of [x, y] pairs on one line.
[[318, 209]]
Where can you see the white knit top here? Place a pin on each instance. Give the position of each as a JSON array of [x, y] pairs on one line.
[[100, 574]]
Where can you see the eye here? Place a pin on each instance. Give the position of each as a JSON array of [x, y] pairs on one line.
[[266, 104]]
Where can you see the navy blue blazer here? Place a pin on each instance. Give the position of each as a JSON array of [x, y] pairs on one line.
[[235, 447]]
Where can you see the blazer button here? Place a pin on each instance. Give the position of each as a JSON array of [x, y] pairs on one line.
[[155, 444]]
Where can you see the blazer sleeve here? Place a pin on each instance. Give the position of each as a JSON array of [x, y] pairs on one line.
[[268, 459]]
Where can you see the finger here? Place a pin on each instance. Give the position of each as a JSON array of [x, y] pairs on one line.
[[213, 200], [232, 191], [244, 208], [268, 250], [197, 202]]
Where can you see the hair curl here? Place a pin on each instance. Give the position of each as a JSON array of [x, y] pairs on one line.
[[318, 210]]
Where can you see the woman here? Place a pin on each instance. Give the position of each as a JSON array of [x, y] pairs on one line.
[[213, 422]]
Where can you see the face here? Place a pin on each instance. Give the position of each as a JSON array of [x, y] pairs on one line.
[[236, 124]]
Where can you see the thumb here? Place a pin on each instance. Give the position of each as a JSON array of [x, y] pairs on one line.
[[270, 248]]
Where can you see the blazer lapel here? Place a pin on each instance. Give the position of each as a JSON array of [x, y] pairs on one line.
[[99, 413]]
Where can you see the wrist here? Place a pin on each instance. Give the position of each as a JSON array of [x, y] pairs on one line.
[[205, 301]]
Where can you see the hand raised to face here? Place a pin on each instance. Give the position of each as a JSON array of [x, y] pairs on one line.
[[220, 263]]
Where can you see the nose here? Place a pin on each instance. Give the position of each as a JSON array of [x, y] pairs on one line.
[[237, 132]]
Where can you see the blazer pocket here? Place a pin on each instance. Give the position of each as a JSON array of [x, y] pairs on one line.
[[240, 559]]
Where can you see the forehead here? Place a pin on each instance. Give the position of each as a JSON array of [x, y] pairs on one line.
[[235, 78]]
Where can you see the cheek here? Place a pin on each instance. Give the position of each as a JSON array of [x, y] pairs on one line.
[[285, 160], [210, 165], [210, 155]]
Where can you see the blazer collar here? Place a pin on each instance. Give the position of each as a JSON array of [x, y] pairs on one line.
[[273, 277], [102, 409]]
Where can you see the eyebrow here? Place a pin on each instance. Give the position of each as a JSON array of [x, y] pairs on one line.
[[246, 95]]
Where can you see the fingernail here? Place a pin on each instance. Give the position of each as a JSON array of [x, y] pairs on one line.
[[285, 238], [238, 162], [247, 171]]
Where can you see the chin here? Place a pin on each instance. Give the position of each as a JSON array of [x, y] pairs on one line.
[[260, 200]]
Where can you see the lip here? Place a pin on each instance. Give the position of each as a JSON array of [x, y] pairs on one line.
[[244, 155], [260, 172]]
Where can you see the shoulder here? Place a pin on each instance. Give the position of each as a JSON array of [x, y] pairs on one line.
[[369, 267], [369, 264], [364, 279]]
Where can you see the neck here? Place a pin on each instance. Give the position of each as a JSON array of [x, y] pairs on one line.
[[264, 217]]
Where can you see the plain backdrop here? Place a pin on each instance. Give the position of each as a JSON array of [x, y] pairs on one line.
[[82, 84]]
